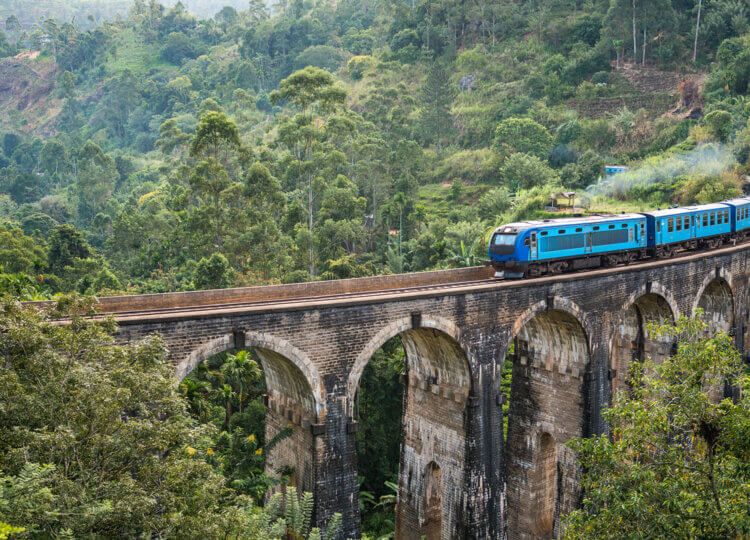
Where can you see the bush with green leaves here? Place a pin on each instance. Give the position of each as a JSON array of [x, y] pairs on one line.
[[675, 464], [96, 438], [719, 124], [522, 135], [522, 171]]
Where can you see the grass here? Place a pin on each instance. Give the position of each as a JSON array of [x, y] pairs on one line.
[[435, 198], [136, 55]]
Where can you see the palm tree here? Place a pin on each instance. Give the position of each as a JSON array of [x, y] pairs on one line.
[[240, 371], [225, 394], [465, 257], [195, 392]]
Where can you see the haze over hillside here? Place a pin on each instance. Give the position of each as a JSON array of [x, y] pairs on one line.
[[30, 12]]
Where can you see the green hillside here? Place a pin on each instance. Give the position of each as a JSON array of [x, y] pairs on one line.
[[144, 148]]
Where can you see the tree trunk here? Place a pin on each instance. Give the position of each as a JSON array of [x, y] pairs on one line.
[[697, 27], [635, 40], [643, 51], [310, 222]]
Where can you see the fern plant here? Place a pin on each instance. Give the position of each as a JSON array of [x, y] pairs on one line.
[[289, 516]]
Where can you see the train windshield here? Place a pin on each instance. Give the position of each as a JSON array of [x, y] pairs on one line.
[[504, 239]]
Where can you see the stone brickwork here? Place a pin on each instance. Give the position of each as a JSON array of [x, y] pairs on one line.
[[575, 337]]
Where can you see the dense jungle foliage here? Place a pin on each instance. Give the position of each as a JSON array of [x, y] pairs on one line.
[[150, 148]]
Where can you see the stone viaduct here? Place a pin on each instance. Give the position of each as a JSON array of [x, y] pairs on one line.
[[574, 338]]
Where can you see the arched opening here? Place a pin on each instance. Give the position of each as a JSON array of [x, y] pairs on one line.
[[431, 430], [379, 408], [545, 482], [549, 357], [263, 406], [432, 524], [716, 303], [634, 343]]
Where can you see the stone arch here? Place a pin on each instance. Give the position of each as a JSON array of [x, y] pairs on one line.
[[388, 332], [438, 382], [631, 340], [294, 397], [716, 299], [547, 406]]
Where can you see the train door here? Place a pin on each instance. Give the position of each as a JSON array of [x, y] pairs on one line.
[[532, 247], [694, 228], [589, 240], [659, 226], [641, 233]]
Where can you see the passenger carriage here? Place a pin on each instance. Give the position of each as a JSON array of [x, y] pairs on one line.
[[558, 245], [688, 227], [740, 216]]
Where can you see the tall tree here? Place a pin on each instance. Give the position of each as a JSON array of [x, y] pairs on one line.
[[313, 92], [697, 27], [435, 97]]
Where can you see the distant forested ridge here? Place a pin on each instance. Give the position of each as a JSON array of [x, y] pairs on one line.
[[156, 150]]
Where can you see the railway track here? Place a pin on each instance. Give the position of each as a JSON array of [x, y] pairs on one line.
[[299, 299], [125, 317]]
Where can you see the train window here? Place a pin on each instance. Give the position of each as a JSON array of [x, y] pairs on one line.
[[679, 223], [624, 225], [712, 220], [705, 220], [658, 225], [670, 225], [561, 231], [526, 241], [544, 233], [611, 226], [596, 228], [579, 230], [687, 222], [719, 218], [726, 216]]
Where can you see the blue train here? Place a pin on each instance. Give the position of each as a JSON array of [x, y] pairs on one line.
[[554, 246]]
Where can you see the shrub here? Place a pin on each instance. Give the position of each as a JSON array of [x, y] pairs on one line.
[[523, 171], [357, 66], [719, 124], [406, 45], [598, 134], [561, 155], [320, 56], [522, 135], [177, 48], [212, 273]]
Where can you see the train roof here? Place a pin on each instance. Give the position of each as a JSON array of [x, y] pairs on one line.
[[738, 202], [686, 210], [562, 222]]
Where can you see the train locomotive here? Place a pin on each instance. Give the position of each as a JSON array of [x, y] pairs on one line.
[[554, 246]]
